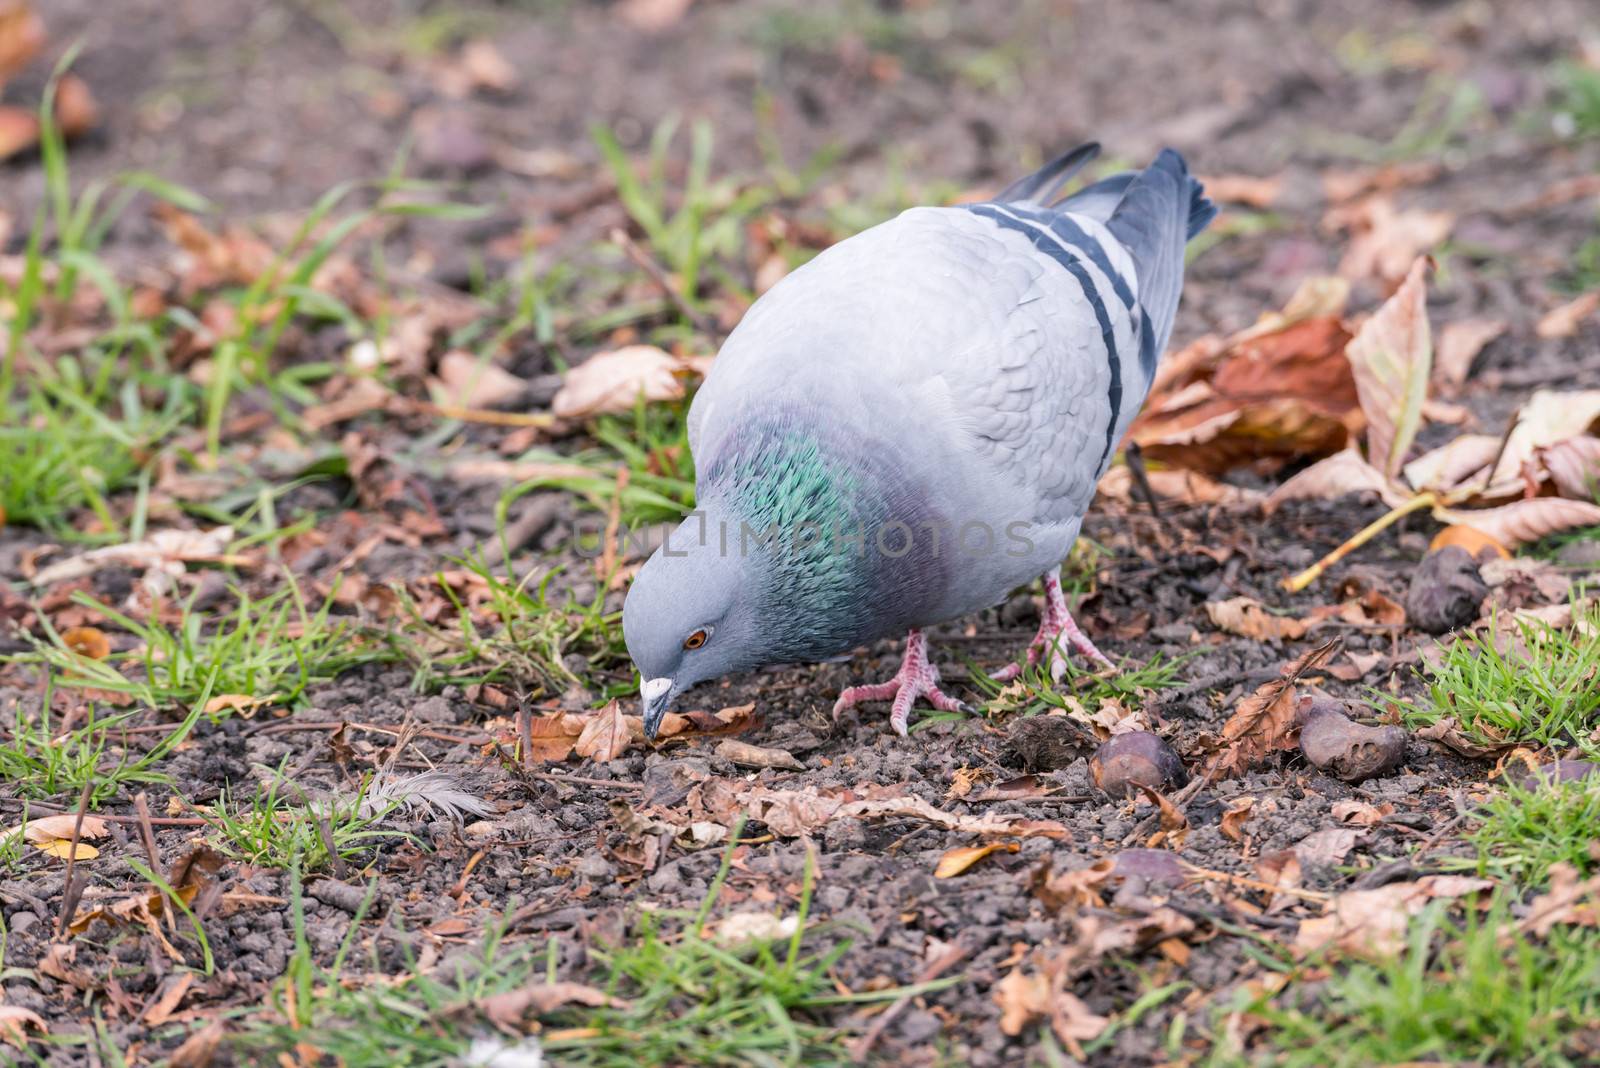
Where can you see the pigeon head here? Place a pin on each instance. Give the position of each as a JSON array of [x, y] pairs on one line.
[[691, 615]]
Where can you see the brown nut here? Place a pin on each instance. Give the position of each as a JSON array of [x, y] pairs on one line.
[[1347, 750], [1125, 762]]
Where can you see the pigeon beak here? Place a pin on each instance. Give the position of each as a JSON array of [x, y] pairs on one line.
[[657, 695]]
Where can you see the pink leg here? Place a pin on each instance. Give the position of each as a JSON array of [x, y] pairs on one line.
[[1056, 626], [917, 677]]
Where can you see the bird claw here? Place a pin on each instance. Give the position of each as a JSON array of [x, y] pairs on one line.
[[917, 677], [1057, 632]]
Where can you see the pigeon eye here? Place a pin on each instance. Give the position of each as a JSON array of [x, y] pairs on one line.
[[696, 640]]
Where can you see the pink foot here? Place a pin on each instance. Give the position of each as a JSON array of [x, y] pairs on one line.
[[916, 678], [1057, 627]]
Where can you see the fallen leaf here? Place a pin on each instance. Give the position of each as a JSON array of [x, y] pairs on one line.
[[59, 827], [22, 35], [173, 990], [1266, 721], [793, 813], [15, 1021], [88, 642], [1280, 870], [510, 1010], [1245, 189], [1235, 816], [1549, 417], [468, 381], [241, 704], [19, 130], [1391, 357], [1565, 320], [1344, 185], [1317, 297], [1568, 902], [1458, 346], [76, 112], [1248, 618], [1527, 521], [1386, 240], [1372, 923], [755, 756], [614, 381], [199, 1050], [551, 738], [1327, 847], [59, 962], [486, 67], [165, 550], [1336, 476], [1023, 998], [606, 736], [652, 16], [1354, 813], [1184, 487], [1573, 466], [955, 861], [1448, 732], [63, 849]]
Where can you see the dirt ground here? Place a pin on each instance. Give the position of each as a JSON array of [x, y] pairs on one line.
[[262, 107]]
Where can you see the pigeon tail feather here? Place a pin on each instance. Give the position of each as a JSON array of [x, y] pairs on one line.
[[1041, 187]]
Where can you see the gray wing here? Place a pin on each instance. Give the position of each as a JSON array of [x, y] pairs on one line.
[[972, 326]]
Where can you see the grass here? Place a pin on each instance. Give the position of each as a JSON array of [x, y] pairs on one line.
[[1538, 691], [280, 828], [1578, 98], [273, 648], [44, 764], [1525, 828], [681, 997], [1460, 993], [530, 632]]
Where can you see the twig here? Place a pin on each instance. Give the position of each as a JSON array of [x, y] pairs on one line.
[[861, 1047], [56, 810], [663, 281], [1296, 583], [71, 891], [147, 836]]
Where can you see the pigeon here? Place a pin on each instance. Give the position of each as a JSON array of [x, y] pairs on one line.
[[910, 427]]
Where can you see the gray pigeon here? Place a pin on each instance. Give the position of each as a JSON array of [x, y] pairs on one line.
[[911, 426]]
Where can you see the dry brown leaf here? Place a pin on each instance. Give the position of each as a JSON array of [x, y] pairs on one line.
[[1317, 297], [1448, 732], [1235, 816], [1392, 357], [551, 738], [955, 861], [1569, 902], [1327, 847], [486, 67], [240, 704], [88, 642], [1185, 487], [1280, 870], [1276, 396], [1266, 721], [1249, 618], [1458, 345], [1549, 417], [1023, 998], [1462, 460], [59, 962], [19, 130], [1565, 320], [1342, 185], [1372, 923], [606, 735], [22, 35], [1526, 521], [614, 381], [1336, 476], [509, 1011], [1386, 240], [50, 828], [173, 990], [76, 112], [1354, 813], [793, 813], [1573, 466], [15, 1022], [1246, 189], [165, 551], [468, 381], [652, 16], [755, 756], [199, 1050]]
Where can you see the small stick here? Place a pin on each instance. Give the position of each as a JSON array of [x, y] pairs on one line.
[[147, 837], [1296, 583], [71, 892], [663, 281]]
